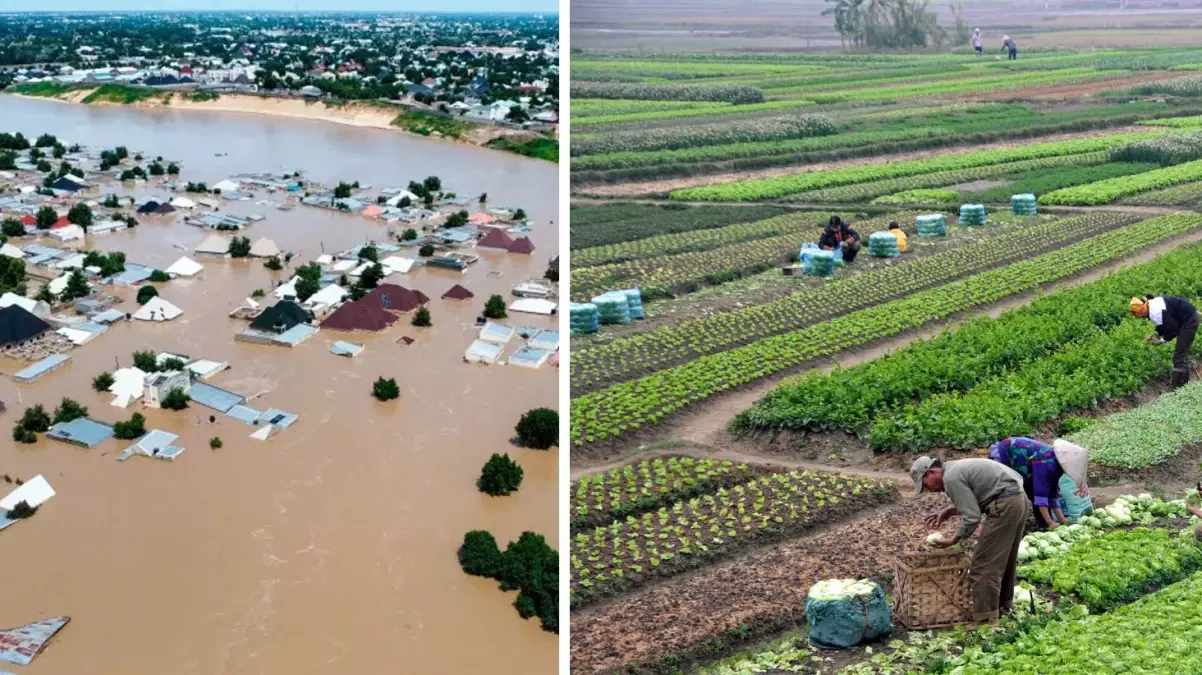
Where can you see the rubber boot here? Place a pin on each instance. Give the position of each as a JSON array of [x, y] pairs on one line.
[[1178, 378]]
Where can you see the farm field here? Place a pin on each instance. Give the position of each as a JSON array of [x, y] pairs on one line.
[[742, 419]]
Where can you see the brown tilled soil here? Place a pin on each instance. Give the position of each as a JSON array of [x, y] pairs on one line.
[[670, 184], [673, 617]]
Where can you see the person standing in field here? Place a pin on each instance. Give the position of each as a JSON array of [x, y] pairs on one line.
[[1174, 318], [976, 41], [895, 230], [1008, 43], [839, 237], [1041, 466], [980, 487]]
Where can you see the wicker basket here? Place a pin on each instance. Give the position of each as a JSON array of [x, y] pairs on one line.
[[930, 590]]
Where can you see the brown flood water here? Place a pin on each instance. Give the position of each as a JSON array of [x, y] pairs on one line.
[[329, 548]]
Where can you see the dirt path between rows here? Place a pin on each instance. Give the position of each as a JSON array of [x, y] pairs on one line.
[[705, 424], [669, 184]]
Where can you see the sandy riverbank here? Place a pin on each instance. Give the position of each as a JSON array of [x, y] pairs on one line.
[[350, 114]]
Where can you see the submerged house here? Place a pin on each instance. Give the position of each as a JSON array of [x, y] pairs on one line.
[[359, 315], [159, 385], [18, 325], [496, 239], [281, 317], [394, 298]]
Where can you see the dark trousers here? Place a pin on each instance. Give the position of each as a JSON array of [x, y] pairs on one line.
[[849, 252], [1185, 340], [991, 574], [1013, 54]]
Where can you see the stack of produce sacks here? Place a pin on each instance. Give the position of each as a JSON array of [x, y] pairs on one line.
[[584, 319], [933, 225], [843, 613], [613, 308], [883, 245], [972, 215], [819, 264], [634, 301], [1023, 205]]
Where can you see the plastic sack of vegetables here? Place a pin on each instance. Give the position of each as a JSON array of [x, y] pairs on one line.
[[843, 613], [1074, 506]]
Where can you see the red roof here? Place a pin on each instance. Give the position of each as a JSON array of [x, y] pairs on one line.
[[29, 220], [496, 239], [395, 298], [458, 292], [61, 222], [522, 245], [359, 315]]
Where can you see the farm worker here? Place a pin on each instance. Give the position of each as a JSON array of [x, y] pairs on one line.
[[1041, 466], [839, 237], [1174, 318], [979, 486], [976, 41], [1008, 43], [895, 230]]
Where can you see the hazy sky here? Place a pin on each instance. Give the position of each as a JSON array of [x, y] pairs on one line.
[[547, 6]]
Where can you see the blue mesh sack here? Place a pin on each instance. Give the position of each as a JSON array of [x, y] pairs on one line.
[[1074, 506], [842, 613]]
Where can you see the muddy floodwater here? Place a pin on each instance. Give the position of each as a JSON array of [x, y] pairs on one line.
[[329, 548]]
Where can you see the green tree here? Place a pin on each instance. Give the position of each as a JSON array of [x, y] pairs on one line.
[[421, 318], [45, 141], [60, 151], [519, 215], [145, 293], [44, 294], [46, 218], [385, 389], [176, 399], [69, 410], [112, 202], [12, 228], [494, 308], [480, 556], [146, 361], [127, 175], [457, 219], [172, 363], [239, 247], [103, 381], [77, 287], [23, 435], [159, 276], [342, 191], [369, 252], [432, 184], [44, 166], [215, 443], [305, 288], [36, 419], [273, 263], [121, 151], [500, 476], [133, 428], [539, 429], [426, 251], [157, 169], [370, 278], [172, 169], [408, 235]]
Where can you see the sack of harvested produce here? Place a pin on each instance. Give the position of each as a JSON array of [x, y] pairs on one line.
[[1023, 205], [843, 613], [931, 225], [883, 245], [1074, 506], [584, 318], [613, 308], [972, 215], [634, 300], [819, 264]]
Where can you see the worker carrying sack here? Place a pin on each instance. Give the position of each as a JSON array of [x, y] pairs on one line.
[[843, 613]]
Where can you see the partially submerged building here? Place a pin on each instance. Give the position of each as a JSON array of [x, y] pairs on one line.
[[160, 384]]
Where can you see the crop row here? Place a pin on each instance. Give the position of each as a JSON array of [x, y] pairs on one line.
[[663, 245], [1165, 151], [1190, 122], [860, 192], [649, 484], [1106, 191], [607, 107], [1183, 86], [774, 188], [689, 136], [1041, 181], [959, 86], [849, 399], [624, 407], [680, 272], [920, 196], [1158, 633], [616, 222], [668, 92], [693, 110], [630, 552], [592, 70], [1096, 367], [1186, 194], [1149, 434], [1117, 567], [624, 357]]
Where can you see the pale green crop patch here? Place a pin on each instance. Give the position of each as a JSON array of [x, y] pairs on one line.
[[1149, 434]]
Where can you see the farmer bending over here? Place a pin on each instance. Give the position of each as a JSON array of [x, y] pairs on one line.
[[895, 230], [1041, 466], [980, 486], [839, 237], [1174, 318], [1008, 43]]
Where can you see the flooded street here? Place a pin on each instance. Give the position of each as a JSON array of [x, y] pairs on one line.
[[329, 548]]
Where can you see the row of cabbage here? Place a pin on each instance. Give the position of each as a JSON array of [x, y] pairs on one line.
[[775, 188], [956, 361], [647, 484], [687, 534], [689, 136], [627, 406], [1107, 191], [654, 350], [1149, 434]]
